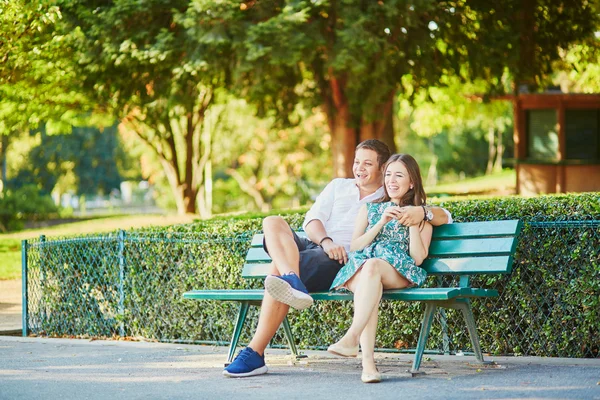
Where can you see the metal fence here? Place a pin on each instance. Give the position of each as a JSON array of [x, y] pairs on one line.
[[131, 285]]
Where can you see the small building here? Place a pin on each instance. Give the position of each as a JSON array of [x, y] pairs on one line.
[[557, 142]]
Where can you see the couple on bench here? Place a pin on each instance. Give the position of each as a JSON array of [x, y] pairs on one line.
[[365, 235]]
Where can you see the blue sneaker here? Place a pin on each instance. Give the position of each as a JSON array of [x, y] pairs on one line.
[[288, 289], [247, 363]]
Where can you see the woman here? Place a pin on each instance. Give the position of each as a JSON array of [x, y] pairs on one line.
[[384, 255]]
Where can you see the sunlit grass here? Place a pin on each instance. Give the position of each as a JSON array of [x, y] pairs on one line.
[[10, 259], [501, 183]]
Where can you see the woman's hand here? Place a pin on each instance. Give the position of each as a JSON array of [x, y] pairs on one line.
[[390, 213]]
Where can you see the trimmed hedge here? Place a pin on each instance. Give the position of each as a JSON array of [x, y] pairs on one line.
[[549, 305]]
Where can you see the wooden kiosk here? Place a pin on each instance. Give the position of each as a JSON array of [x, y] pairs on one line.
[[557, 142]]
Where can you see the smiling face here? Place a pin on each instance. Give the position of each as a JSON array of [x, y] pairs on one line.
[[366, 170], [397, 181]]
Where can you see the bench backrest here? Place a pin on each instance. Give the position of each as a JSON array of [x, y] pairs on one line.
[[456, 249]]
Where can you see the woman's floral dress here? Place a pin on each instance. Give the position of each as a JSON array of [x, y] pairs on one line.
[[390, 244]]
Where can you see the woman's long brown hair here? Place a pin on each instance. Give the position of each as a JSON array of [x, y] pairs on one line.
[[415, 196]]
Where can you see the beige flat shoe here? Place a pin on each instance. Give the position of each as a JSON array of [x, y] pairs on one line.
[[340, 350], [370, 378]]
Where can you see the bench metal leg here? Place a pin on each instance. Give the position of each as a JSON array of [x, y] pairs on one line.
[[239, 324], [465, 306], [425, 328], [287, 329]]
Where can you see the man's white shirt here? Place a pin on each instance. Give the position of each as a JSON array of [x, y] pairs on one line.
[[337, 208]]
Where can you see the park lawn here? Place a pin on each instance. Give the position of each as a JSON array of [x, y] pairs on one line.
[[500, 184], [10, 243], [10, 256]]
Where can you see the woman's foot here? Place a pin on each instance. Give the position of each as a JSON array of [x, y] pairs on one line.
[[370, 377], [342, 349], [370, 374]]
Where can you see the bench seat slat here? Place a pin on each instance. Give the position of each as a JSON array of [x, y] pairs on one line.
[[225, 295], [413, 294]]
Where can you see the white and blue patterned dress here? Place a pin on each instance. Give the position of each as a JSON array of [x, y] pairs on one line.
[[391, 244]]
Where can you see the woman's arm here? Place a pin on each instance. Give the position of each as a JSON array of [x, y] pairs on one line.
[[419, 242], [360, 238]]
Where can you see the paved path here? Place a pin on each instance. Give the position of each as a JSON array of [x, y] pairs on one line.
[[10, 306], [37, 368]]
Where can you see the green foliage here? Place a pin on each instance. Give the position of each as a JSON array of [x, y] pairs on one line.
[[91, 155], [37, 79], [548, 305], [24, 204]]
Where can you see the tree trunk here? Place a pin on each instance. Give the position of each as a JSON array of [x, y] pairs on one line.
[[345, 136], [431, 179], [383, 127], [3, 153], [499, 152], [491, 151]]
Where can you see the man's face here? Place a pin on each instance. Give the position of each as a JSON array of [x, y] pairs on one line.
[[366, 168]]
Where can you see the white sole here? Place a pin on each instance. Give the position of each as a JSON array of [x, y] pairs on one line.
[[258, 371], [281, 291]]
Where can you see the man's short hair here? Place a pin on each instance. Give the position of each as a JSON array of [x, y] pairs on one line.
[[382, 150]]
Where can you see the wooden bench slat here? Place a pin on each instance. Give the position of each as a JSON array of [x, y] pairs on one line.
[[256, 271], [413, 294], [225, 295], [257, 240], [468, 265], [433, 266], [471, 247], [466, 230]]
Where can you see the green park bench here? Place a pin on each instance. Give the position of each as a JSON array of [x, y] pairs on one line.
[[459, 249]]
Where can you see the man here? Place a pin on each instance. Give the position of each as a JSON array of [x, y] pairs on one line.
[[301, 265]]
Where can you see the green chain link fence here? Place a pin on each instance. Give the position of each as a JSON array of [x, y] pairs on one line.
[[131, 285]]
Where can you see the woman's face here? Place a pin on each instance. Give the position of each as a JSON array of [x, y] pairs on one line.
[[397, 181], [366, 169]]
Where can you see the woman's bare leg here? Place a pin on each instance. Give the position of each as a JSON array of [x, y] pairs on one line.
[[367, 343], [368, 284]]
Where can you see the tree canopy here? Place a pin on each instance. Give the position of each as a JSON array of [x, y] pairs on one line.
[[160, 66]]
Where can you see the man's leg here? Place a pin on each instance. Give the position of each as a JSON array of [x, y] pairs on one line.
[[284, 285], [272, 314], [284, 251], [279, 240]]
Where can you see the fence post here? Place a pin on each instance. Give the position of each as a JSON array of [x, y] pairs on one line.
[[42, 281], [24, 286], [121, 241]]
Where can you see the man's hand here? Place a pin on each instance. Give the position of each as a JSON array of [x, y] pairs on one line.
[[411, 215], [335, 251]]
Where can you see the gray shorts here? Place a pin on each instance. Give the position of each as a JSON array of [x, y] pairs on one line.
[[317, 270]]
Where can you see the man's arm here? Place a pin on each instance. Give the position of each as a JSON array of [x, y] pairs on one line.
[[413, 215]]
